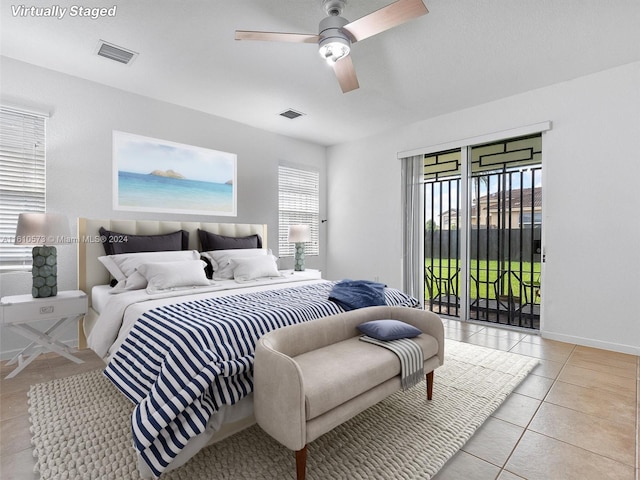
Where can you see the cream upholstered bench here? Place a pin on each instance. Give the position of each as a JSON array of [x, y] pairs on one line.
[[310, 378]]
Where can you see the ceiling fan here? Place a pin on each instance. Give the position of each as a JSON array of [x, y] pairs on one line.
[[336, 34]]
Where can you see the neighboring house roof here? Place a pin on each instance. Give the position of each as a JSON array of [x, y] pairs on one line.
[[517, 199], [450, 213]]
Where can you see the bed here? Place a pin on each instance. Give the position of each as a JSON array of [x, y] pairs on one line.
[[184, 355]]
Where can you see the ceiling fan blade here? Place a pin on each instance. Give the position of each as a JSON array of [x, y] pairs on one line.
[[346, 74], [387, 17], [277, 36]]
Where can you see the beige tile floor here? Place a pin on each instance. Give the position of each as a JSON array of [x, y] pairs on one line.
[[574, 417]]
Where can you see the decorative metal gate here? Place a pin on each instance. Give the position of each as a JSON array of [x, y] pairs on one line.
[[504, 220]]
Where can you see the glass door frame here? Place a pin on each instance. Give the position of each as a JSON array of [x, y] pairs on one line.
[[465, 146], [465, 231]]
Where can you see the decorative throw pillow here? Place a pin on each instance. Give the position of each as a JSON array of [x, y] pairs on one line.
[[219, 260], [163, 276], [115, 243], [389, 329], [123, 267], [213, 241], [247, 269]]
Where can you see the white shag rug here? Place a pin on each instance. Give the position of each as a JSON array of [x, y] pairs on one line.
[[81, 429]]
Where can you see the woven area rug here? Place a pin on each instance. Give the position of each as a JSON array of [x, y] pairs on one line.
[[81, 429]]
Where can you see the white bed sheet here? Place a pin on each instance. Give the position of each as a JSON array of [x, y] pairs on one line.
[[100, 296]]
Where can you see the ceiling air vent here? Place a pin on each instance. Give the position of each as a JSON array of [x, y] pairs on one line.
[[291, 114], [113, 52]]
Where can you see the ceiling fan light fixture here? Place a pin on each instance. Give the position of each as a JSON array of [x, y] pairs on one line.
[[336, 34], [333, 49], [334, 43]]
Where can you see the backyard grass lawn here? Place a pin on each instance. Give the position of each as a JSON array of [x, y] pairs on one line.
[[486, 272]]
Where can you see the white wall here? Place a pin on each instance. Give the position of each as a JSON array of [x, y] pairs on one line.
[[79, 159], [591, 201]]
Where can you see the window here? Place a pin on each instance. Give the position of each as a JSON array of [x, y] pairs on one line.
[[22, 180], [526, 219], [299, 204]]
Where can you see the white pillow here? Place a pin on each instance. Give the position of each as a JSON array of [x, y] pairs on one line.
[[220, 260], [135, 281], [123, 266], [246, 269], [162, 276], [114, 270]]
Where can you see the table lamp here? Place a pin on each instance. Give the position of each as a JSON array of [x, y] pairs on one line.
[[299, 234], [43, 230]]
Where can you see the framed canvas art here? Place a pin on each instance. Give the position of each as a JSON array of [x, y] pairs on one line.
[[152, 175]]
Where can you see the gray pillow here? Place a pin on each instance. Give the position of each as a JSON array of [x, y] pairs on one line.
[[212, 241], [388, 329], [115, 243]]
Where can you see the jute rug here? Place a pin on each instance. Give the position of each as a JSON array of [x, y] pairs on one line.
[[81, 429]]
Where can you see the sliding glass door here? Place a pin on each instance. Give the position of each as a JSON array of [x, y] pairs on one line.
[[442, 176], [505, 241], [483, 225]]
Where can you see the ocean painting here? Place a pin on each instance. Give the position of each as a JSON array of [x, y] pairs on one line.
[[154, 175]]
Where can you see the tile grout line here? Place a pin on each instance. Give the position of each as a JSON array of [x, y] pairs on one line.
[[526, 428], [556, 380]]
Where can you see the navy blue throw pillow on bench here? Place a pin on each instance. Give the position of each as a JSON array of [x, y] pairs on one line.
[[389, 329]]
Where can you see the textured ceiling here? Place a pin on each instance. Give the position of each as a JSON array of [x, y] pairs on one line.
[[463, 53]]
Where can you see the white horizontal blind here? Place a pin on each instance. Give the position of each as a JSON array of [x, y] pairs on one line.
[[299, 204], [22, 180]]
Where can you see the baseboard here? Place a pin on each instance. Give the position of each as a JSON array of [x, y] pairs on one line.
[[9, 354], [589, 342]]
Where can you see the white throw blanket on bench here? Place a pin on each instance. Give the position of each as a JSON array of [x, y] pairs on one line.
[[410, 355]]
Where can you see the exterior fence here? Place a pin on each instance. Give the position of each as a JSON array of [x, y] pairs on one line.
[[522, 244]]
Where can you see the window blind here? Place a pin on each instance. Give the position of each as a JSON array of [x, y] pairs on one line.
[[22, 180], [299, 204]]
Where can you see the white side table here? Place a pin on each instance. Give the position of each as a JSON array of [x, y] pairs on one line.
[[307, 274], [18, 311]]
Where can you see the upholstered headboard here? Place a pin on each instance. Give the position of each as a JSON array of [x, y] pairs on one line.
[[91, 272]]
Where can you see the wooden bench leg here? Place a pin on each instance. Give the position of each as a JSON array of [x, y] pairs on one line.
[[429, 385], [301, 463]]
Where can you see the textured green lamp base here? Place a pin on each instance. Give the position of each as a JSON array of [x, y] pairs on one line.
[[299, 257], [44, 272]]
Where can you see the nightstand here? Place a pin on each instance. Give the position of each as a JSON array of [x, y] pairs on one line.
[[18, 311], [307, 274]]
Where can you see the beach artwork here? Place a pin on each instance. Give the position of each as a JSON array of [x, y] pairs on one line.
[[152, 175]]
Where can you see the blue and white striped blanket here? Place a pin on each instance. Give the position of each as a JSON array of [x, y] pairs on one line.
[[180, 363]]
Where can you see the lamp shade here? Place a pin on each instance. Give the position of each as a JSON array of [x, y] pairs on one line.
[[299, 233], [42, 229]]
